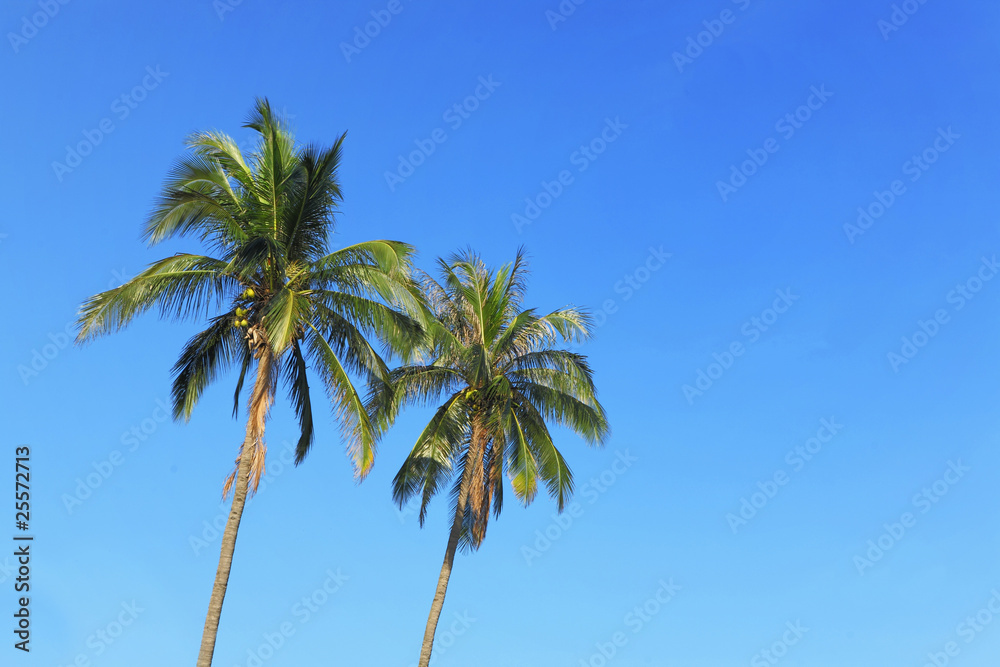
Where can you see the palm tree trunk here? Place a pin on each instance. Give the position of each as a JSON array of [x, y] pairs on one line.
[[442, 586], [260, 402], [226, 557], [449, 555]]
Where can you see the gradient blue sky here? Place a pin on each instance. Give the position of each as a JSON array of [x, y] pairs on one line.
[[71, 234]]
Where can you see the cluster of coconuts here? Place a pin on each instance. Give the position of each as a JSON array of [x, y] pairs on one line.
[[241, 313]]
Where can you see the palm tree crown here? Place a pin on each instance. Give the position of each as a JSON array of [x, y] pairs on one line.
[[268, 218], [502, 381]]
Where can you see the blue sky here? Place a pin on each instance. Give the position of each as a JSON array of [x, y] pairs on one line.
[[620, 131]]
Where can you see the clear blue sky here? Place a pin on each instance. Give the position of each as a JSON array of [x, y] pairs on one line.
[[911, 110]]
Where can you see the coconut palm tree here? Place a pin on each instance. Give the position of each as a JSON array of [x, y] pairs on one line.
[[276, 299], [502, 380]]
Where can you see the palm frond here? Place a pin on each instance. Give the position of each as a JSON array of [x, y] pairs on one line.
[[431, 461], [298, 392], [181, 286], [198, 198], [312, 199], [589, 421], [552, 467], [356, 427], [202, 358]]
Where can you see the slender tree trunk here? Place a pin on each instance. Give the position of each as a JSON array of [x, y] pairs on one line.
[[442, 586], [226, 557], [259, 405], [449, 554]]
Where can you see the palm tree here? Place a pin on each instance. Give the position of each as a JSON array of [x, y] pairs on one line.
[[282, 301], [502, 380]]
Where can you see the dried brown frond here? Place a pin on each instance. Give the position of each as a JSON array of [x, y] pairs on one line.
[[261, 400]]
